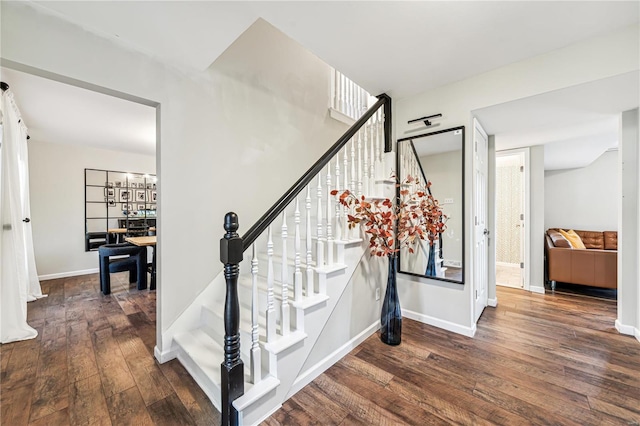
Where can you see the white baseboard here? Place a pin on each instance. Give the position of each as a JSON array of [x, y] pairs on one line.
[[165, 356], [637, 333], [440, 323], [629, 330], [68, 274], [309, 375], [537, 289], [265, 417], [492, 302]]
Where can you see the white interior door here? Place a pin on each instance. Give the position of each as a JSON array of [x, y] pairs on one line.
[[480, 247]]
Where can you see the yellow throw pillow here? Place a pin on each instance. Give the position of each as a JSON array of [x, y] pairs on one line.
[[573, 238]]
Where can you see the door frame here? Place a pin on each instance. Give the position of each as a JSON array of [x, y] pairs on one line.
[[527, 211]]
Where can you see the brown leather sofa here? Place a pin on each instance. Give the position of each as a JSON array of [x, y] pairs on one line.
[[596, 266]]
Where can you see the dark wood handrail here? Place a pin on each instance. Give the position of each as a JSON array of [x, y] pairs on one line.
[[261, 225]]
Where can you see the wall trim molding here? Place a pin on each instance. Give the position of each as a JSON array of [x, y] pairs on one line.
[[537, 289], [68, 274], [492, 302], [629, 330], [440, 323], [313, 372], [337, 115], [165, 356], [637, 334]]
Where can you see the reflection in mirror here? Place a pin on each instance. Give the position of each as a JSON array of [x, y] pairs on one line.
[[438, 158]]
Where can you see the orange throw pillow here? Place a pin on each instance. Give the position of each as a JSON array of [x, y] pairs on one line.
[[573, 238]]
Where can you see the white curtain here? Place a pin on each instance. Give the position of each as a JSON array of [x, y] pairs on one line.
[[18, 275]]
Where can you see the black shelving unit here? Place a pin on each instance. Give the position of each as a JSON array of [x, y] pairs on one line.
[[116, 199]]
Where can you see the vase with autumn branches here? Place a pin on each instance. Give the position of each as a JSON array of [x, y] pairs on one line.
[[391, 226]]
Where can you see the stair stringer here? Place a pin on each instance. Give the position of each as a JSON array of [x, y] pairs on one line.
[[291, 361], [189, 319]]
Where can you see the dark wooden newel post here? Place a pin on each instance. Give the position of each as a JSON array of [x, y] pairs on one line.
[[232, 367]]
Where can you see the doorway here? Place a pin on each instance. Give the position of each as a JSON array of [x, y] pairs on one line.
[[512, 168]]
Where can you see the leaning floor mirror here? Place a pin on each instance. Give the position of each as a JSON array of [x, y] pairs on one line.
[[438, 158]]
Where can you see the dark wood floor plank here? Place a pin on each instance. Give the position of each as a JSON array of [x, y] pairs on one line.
[[193, 398], [541, 359], [93, 364], [169, 412], [113, 368], [51, 390], [15, 405], [360, 407], [128, 408], [87, 404], [319, 406], [58, 418]]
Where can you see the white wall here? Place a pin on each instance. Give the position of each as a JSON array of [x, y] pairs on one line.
[[536, 222], [601, 57], [584, 198], [628, 225], [233, 129], [56, 174]]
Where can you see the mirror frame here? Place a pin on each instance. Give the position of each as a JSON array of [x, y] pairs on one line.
[[464, 251]]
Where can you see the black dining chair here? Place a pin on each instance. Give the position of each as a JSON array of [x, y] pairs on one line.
[[129, 258]]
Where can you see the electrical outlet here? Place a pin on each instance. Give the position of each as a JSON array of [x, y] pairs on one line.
[[448, 201], [378, 293]]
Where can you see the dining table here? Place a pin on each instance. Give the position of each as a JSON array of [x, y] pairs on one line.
[[120, 232], [147, 241]]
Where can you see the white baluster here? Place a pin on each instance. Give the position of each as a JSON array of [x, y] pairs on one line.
[[256, 361], [345, 168], [320, 246], [271, 311], [334, 88], [329, 217], [337, 201], [284, 320], [297, 277], [350, 99], [378, 150], [353, 181], [365, 184], [343, 94], [360, 138], [372, 159], [309, 268]]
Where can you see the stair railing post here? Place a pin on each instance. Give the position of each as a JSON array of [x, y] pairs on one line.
[[232, 368]]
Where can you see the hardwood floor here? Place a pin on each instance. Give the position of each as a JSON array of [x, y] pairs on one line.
[[92, 363], [543, 360], [553, 359]]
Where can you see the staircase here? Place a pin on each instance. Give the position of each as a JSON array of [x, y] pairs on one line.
[[299, 259]]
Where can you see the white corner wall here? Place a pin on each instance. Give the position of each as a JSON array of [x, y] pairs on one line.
[[56, 175], [628, 321], [569, 196], [536, 222], [228, 136], [451, 305]]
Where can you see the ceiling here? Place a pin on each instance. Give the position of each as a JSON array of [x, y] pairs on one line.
[[576, 124], [401, 48], [424, 45], [59, 113]]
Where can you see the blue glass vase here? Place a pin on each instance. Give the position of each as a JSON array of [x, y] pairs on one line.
[[431, 262], [391, 316]]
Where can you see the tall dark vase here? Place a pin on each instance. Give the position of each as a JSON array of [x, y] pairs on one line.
[[431, 262], [391, 317]]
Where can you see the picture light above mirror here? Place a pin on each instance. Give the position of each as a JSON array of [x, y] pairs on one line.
[[438, 158]]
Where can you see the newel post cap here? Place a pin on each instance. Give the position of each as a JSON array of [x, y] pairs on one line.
[[231, 243]]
